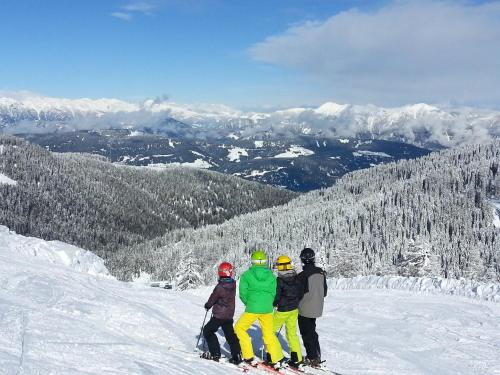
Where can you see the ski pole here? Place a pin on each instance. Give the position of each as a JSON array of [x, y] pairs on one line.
[[201, 330]]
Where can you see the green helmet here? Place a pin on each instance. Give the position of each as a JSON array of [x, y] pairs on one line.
[[259, 258]]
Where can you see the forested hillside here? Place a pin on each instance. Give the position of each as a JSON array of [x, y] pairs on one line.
[[429, 216], [89, 202]]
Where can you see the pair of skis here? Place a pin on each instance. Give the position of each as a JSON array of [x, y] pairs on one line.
[[289, 370], [262, 366]]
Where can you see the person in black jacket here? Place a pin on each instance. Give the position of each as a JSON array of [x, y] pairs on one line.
[[288, 295], [314, 288], [222, 300]]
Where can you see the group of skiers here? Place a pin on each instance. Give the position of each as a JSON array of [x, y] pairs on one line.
[[287, 299]]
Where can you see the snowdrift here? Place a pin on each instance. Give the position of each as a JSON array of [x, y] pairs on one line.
[[55, 252], [434, 285]]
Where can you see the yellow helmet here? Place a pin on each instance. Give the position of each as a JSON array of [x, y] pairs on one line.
[[284, 263]]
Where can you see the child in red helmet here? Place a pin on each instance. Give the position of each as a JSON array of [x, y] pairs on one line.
[[222, 300]]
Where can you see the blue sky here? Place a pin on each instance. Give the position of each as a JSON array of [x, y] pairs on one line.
[[242, 53]]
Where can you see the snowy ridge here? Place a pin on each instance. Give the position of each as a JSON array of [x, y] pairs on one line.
[[53, 252], [435, 285]]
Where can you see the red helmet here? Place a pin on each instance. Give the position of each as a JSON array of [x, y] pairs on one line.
[[226, 269]]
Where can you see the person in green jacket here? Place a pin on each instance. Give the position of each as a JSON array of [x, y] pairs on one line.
[[257, 291]]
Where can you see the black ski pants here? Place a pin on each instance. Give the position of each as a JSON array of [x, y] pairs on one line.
[[227, 327], [307, 327]]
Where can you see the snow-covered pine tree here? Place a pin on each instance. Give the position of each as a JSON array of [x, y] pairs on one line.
[[188, 273], [417, 260]]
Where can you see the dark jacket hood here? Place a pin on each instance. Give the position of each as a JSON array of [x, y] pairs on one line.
[[227, 283]]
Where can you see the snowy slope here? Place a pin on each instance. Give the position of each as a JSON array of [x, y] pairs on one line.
[[57, 320]]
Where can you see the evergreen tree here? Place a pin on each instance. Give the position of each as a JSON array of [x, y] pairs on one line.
[[188, 273]]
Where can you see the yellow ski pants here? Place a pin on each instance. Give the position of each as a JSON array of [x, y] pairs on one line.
[[271, 342], [289, 318]]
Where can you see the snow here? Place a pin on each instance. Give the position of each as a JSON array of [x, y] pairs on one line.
[[434, 285], [259, 144], [43, 104], [135, 133], [496, 214], [198, 163], [233, 136], [256, 173], [234, 154], [447, 126], [127, 158], [56, 319], [294, 152], [398, 332], [371, 153], [331, 109], [4, 180], [197, 153], [53, 253], [342, 140]]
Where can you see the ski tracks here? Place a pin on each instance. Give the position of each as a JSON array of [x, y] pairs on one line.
[[13, 324]]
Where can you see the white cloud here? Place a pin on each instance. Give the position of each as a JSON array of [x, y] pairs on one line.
[[140, 7], [127, 12], [122, 16], [406, 51]]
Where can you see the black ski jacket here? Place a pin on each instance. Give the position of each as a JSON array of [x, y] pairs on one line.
[[288, 291]]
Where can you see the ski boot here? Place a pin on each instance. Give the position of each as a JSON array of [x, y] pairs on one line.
[[282, 363], [209, 356], [235, 359], [294, 361], [251, 361], [313, 362]]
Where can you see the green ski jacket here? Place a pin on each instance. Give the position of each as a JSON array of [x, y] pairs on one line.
[[258, 289]]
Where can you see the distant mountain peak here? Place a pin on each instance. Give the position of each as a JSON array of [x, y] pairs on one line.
[[331, 109]]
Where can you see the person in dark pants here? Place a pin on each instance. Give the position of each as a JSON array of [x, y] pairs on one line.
[[222, 300], [288, 296], [313, 284]]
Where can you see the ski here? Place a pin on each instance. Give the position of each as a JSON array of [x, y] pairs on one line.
[[196, 353], [270, 369], [315, 370]]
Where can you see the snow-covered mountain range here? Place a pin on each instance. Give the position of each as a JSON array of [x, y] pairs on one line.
[[419, 124]]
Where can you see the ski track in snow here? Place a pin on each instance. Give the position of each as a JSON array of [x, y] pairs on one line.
[[59, 320]]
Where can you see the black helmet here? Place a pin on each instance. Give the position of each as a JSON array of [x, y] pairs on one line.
[[307, 256]]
